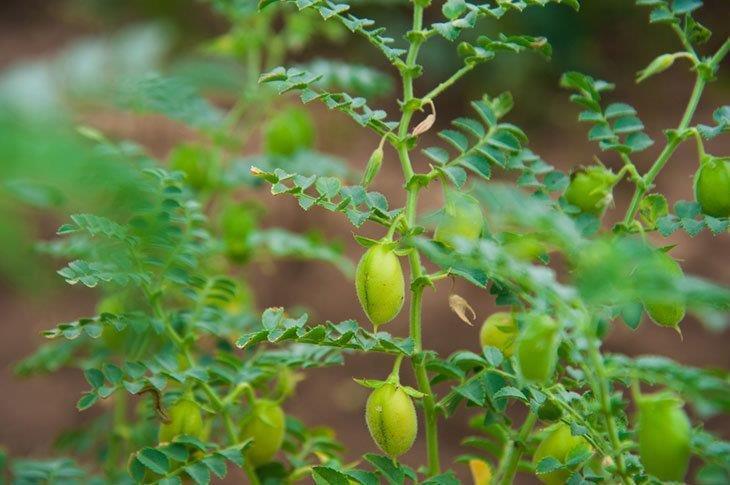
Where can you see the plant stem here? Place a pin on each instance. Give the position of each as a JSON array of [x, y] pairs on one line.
[[513, 452], [446, 84], [117, 438], [721, 53], [604, 396], [668, 150], [414, 259], [672, 145]]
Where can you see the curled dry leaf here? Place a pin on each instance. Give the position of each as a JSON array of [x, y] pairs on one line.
[[427, 123], [157, 398], [462, 308]]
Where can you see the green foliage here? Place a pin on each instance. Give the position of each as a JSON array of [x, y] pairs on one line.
[[177, 322], [296, 79]]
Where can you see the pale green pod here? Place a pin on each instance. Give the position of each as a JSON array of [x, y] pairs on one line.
[[266, 425], [664, 436], [559, 443], [185, 419], [712, 186], [500, 330], [391, 419], [461, 218], [590, 189], [537, 348], [380, 284], [667, 313]]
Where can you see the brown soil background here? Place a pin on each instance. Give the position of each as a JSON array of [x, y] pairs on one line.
[[33, 411]]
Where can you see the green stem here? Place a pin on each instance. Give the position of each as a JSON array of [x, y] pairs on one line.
[[604, 396], [250, 473], [672, 145], [683, 39], [667, 152], [721, 53], [513, 452], [117, 438], [414, 259], [446, 84], [395, 373]]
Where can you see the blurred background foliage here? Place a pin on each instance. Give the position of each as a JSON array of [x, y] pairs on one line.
[[116, 51], [69, 65]]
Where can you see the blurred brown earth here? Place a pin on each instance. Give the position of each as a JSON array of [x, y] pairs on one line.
[[33, 411]]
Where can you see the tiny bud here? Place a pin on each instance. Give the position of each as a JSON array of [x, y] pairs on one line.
[[373, 166], [661, 63]]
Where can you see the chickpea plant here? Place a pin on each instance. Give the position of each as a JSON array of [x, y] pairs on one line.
[[159, 354], [177, 330], [543, 352]]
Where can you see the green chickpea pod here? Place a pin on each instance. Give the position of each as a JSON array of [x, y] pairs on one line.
[[666, 313], [590, 189], [537, 348], [288, 132], [185, 419], [198, 163], [500, 330], [380, 284], [663, 433], [712, 186], [266, 426], [461, 218], [559, 443], [391, 419], [238, 222]]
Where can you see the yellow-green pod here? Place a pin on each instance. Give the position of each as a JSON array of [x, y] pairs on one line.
[[198, 163], [557, 444], [537, 348], [500, 330], [380, 284], [391, 419], [266, 425], [461, 218], [712, 186], [185, 419], [663, 433], [590, 189], [666, 312]]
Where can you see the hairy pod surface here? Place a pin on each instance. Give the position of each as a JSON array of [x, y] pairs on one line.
[[185, 419], [391, 419], [266, 425], [537, 348], [558, 444], [461, 217], [590, 189], [712, 187], [380, 285], [500, 330], [664, 312], [663, 432]]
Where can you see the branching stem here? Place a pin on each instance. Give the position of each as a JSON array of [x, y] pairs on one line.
[[414, 259], [513, 451]]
